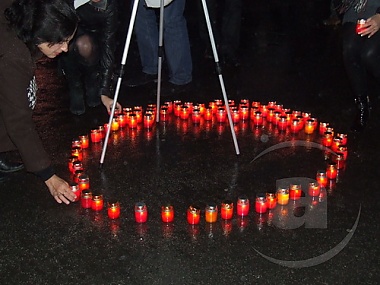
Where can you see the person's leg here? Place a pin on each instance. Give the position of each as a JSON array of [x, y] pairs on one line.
[[176, 43], [7, 148], [231, 28], [357, 73]]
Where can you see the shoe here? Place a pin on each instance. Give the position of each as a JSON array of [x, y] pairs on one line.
[[169, 89], [362, 113], [7, 165], [3, 177], [141, 79]]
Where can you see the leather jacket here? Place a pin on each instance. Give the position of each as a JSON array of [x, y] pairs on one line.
[[101, 19]]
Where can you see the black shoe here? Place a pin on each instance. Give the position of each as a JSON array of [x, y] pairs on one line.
[[362, 113], [170, 90], [3, 177], [141, 79], [7, 165]]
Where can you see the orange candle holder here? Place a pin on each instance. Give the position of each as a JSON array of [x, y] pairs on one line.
[[83, 181], [321, 178], [282, 195], [115, 125], [167, 213], [309, 126], [113, 210], [208, 114], [85, 142], [211, 213], [227, 210]]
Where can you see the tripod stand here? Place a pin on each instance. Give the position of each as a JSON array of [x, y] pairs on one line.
[[160, 55]]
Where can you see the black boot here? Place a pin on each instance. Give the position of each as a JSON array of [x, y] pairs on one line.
[[9, 163], [362, 113]]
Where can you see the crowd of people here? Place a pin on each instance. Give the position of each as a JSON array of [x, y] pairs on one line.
[[81, 34]]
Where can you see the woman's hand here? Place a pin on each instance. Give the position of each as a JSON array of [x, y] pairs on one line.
[[108, 102], [371, 26], [60, 190]]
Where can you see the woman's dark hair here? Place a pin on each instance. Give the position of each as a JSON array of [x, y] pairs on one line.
[[42, 21]]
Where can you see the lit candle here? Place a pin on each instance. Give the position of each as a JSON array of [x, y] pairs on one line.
[[235, 116], [84, 141], [227, 210], [322, 128], [331, 171], [339, 160], [132, 121], [141, 212], [122, 119], [77, 151], [97, 202], [337, 141], [77, 173], [76, 143], [242, 206], [258, 119], [75, 188], [295, 125], [327, 139], [282, 123], [83, 181], [321, 178], [314, 189], [221, 115], [77, 165], [271, 200], [177, 109], [169, 106], [295, 191], [70, 163], [148, 121], [261, 203], [184, 114], [164, 114], [283, 195], [343, 137], [244, 112], [208, 114], [115, 125], [193, 215], [102, 131], [211, 213], [309, 127], [343, 149], [167, 213], [113, 210], [86, 199], [196, 116]]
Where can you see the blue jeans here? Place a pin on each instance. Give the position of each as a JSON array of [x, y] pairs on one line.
[[175, 38]]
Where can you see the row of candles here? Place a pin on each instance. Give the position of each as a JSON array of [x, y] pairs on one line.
[[255, 112], [264, 202]]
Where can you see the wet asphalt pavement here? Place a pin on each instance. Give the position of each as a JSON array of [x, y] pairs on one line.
[[287, 56]]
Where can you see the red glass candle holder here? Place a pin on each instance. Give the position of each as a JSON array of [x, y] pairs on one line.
[[76, 143], [339, 160], [141, 212], [282, 195], [258, 119], [314, 189], [331, 171], [83, 181], [70, 162], [177, 109], [86, 199], [164, 114], [327, 139], [211, 213], [261, 203], [85, 142], [336, 143], [244, 112], [184, 114], [132, 121], [193, 215], [242, 206], [322, 128], [282, 124], [148, 121], [360, 25], [167, 213], [321, 178], [122, 119], [102, 131], [235, 116], [343, 137], [271, 200], [77, 165], [295, 125], [227, 210], [221, 115], [295, 191], [77, 151], [75, 188], [196, 116], [208, 114], [113, 210], [343, 149], [97, 203]]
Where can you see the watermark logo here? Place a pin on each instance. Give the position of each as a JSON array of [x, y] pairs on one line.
[[309, 217]]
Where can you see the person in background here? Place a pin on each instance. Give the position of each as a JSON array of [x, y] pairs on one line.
[[361, 52], [176, 45], [30, 29], [225, 18], [88, 65]]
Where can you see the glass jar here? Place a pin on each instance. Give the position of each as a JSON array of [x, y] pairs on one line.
[[141, 212], [211, 213]]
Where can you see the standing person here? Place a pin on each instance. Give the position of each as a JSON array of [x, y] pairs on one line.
[[29, 29], [88, 65], [225, 18], [176, 45], [361, 53]]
